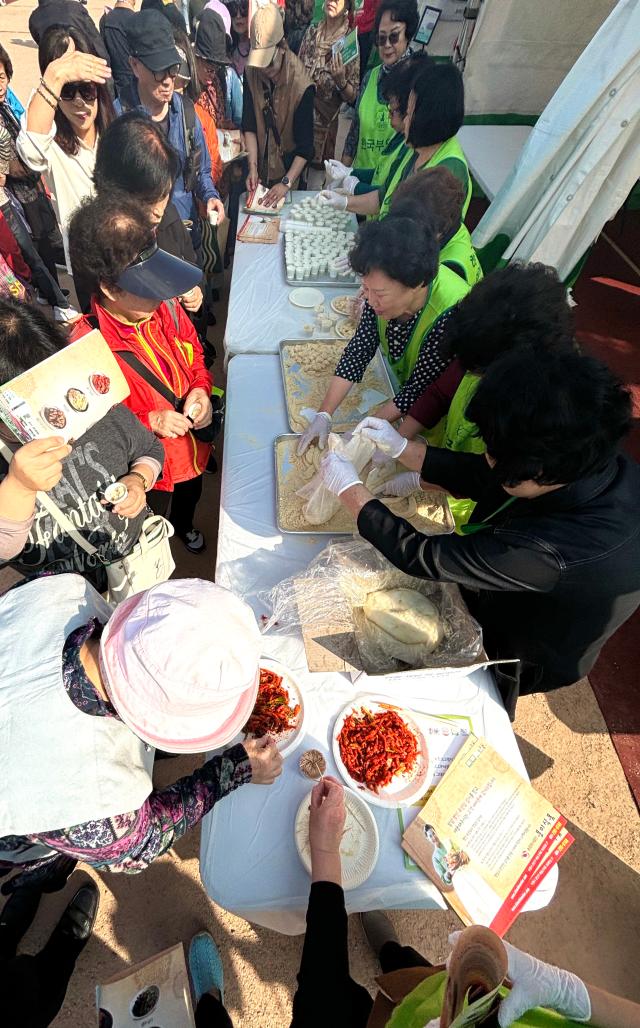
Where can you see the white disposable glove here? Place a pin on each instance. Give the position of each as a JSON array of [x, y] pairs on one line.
[[536, 984], [402, 485], [383, 435], [335, 173], [338, 473], [348, 185], [332, 199], [319, 428], [342, 264]]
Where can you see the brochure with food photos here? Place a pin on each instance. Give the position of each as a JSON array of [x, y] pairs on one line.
[[66, 394], [154, 993], [486, 838]]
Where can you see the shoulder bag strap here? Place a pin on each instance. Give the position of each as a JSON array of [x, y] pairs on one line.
[[59, 516], [149, 377]]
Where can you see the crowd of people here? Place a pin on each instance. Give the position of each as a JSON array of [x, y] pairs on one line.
[[112, 172]]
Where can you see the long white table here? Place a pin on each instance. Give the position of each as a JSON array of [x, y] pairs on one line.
[[248, 860], [260, 314], [492, 151]]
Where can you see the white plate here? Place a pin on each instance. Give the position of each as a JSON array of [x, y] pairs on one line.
[[306, 297], [287, 741], [404, 789], [346, 328], [335, 305], [360, 843]]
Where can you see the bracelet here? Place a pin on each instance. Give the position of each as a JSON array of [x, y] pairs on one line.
[[43, 96], [49, 91], [138, 474]]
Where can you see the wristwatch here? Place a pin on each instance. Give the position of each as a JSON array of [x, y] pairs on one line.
[[285, 181]]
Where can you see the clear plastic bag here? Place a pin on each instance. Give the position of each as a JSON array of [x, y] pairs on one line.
[[322, 504], [331, 592]]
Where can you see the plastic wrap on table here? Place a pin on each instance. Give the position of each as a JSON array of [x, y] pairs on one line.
[[321, 503], [333, 589]]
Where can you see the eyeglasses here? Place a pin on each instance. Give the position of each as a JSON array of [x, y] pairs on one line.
[[238, 7], [88, 91], [170, 72], [392, 38]]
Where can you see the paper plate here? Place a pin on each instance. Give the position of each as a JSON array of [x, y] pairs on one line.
[[306, 297], [360, 843], [287, 741], [405, 788], [338, 301]]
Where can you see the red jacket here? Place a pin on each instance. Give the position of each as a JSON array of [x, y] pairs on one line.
[[181, 368]]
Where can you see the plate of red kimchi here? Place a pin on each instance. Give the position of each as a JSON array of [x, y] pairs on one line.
[[381, 752], [279, 707]]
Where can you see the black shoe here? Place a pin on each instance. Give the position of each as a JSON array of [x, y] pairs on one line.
[[378, 929], [212, 466], [16, 918], [194, 541], [76, 924]]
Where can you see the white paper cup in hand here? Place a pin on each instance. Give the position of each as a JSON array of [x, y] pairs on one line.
[[212, 217]]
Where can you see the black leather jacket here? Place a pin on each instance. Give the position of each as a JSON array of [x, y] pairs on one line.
[[549, 580]]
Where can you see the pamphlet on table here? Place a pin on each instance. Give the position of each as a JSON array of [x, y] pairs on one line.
[[486, 838], [255, 201], [66, 394]]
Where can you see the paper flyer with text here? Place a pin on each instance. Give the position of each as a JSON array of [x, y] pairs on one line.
[[486, 838]]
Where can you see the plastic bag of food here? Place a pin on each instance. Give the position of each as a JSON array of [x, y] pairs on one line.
[[322, 504], [337, 598]]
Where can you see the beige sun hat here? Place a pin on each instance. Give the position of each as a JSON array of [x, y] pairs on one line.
[[267, 29]]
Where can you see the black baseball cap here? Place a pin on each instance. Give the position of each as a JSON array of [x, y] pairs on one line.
[[211, 39], [151, 40], [158, 275]]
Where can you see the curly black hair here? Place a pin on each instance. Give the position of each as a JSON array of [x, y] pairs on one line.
[[399, 10], [106, 234], [439, 104], [405, 250], [552, 418], [522, 304]]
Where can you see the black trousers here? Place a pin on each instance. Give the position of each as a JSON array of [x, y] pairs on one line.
[[181, 503], [210, 1013], [327, 994], [33, 988]]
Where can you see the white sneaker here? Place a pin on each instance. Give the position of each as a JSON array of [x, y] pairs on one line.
[[66, 314]]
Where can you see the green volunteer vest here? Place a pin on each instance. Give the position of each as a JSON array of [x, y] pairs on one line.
[[375, 129], [388, 157], [446, 290], [426, 1002], [449, 149], [461, 436], [459, 251]]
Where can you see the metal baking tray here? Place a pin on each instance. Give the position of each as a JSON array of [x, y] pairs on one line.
[[370, 396], [282, 450]]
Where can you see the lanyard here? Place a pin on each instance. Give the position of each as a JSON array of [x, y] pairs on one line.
[[480, 526]]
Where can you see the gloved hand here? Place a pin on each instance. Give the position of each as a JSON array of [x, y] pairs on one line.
[[338, 473], [383, 435], [402, 485], [379, 459], [333, 199], [335, 173], [536, 984], [319, 429], [342, 264], [348, 185]]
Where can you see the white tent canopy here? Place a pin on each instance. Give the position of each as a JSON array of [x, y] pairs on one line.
[[582, 157]]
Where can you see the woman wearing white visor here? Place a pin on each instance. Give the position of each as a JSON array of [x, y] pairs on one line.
[[89, 694]]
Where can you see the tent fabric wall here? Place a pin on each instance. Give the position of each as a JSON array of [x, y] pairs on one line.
[[581, 160], [521, 51]]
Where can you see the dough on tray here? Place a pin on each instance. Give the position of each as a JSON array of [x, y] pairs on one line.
[[404, 623]]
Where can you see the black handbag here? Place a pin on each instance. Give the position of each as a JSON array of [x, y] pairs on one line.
[[205, 435]]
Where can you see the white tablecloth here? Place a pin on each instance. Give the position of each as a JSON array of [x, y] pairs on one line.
[[260, 314], [492, 151], [248, 860]]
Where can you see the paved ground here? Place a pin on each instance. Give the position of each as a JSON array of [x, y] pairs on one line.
[[591, 926]]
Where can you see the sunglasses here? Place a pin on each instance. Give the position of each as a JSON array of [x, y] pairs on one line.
[[236, 8], [172, 72], [394, 37], [88, 91]]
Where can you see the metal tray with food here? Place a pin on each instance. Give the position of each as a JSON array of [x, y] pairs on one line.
[[428, 512], [306, 374]]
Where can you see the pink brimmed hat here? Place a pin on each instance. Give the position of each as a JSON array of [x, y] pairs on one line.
[[181, 664]]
